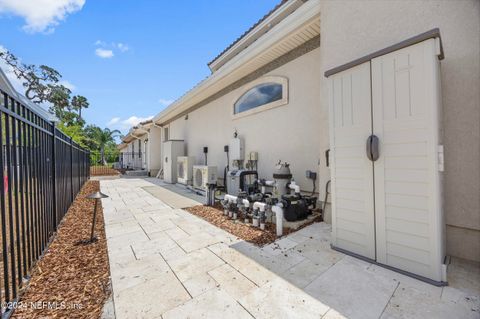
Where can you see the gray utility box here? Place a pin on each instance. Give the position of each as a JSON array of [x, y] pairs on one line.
[[171, 150], [240, 180]]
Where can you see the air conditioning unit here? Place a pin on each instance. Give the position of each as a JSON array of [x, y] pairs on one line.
[[203, 175], [185, 169]]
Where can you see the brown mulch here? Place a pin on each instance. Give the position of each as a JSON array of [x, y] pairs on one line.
[[73, 278], [103, 171], [254, 235]]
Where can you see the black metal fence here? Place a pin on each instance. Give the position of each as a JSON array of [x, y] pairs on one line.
[[42, 170], [114, 163], [106, 163]]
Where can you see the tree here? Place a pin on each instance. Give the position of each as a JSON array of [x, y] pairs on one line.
[[102, 138], [70, 118], [41, 83], [75, 131], [59, 97], [78, 103]]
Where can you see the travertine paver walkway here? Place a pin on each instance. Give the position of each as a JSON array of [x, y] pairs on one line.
[[167, 263]]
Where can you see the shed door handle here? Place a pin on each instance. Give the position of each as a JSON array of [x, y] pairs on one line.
[[373, 152]]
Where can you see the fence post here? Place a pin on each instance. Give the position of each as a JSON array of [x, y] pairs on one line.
[[88, 165], [71, 170], [54, 177]]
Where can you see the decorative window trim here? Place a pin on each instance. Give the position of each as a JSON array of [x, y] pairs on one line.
[[266, 79]]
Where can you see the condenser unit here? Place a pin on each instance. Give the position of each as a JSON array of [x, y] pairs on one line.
[[185, 169], [204, 175]]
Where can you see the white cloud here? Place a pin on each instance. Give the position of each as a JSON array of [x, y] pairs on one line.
[[103, 53], [165, 102], [113, 121], [107, 50], [41, 15], [122, 47], [125, 124], [134, 120]]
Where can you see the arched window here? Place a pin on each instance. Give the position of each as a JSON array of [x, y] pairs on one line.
[[261, 94]]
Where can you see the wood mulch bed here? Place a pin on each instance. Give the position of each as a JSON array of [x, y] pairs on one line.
[[103, 171], [72, 277], [247, 232]]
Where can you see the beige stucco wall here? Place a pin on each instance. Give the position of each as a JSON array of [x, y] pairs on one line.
[[290, 132], [351, 29]]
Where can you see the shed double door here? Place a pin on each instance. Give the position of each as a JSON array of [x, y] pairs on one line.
[[388, 209]]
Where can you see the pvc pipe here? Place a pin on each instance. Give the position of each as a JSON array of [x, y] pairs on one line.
[[278, 210], [233, 199], [259, 206], [230, 198], [295, 187]]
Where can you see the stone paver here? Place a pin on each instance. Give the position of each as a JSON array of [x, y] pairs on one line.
[[166, 263]]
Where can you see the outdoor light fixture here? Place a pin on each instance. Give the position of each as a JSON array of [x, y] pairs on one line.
[[96, 196]]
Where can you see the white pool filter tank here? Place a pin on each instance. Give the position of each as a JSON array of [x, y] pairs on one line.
[[282, 177]]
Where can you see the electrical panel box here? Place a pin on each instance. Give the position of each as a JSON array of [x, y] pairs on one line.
[[236, 149]]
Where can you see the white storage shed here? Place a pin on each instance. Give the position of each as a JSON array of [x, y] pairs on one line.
[[387, 157]]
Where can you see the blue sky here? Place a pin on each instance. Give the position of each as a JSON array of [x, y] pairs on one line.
[[129, 58]]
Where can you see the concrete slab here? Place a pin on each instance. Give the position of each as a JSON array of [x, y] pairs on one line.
[[248, 267], [161, 258], [232, 282], [304, 272], [465, 275], [153, 247], [172, 199], [194, 264], [200, 284], [125, 276], [279, 299], [140, 302], [215, 303], [353, 291], [408, 302], [197, 241], [275, 263], [280, 246]]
